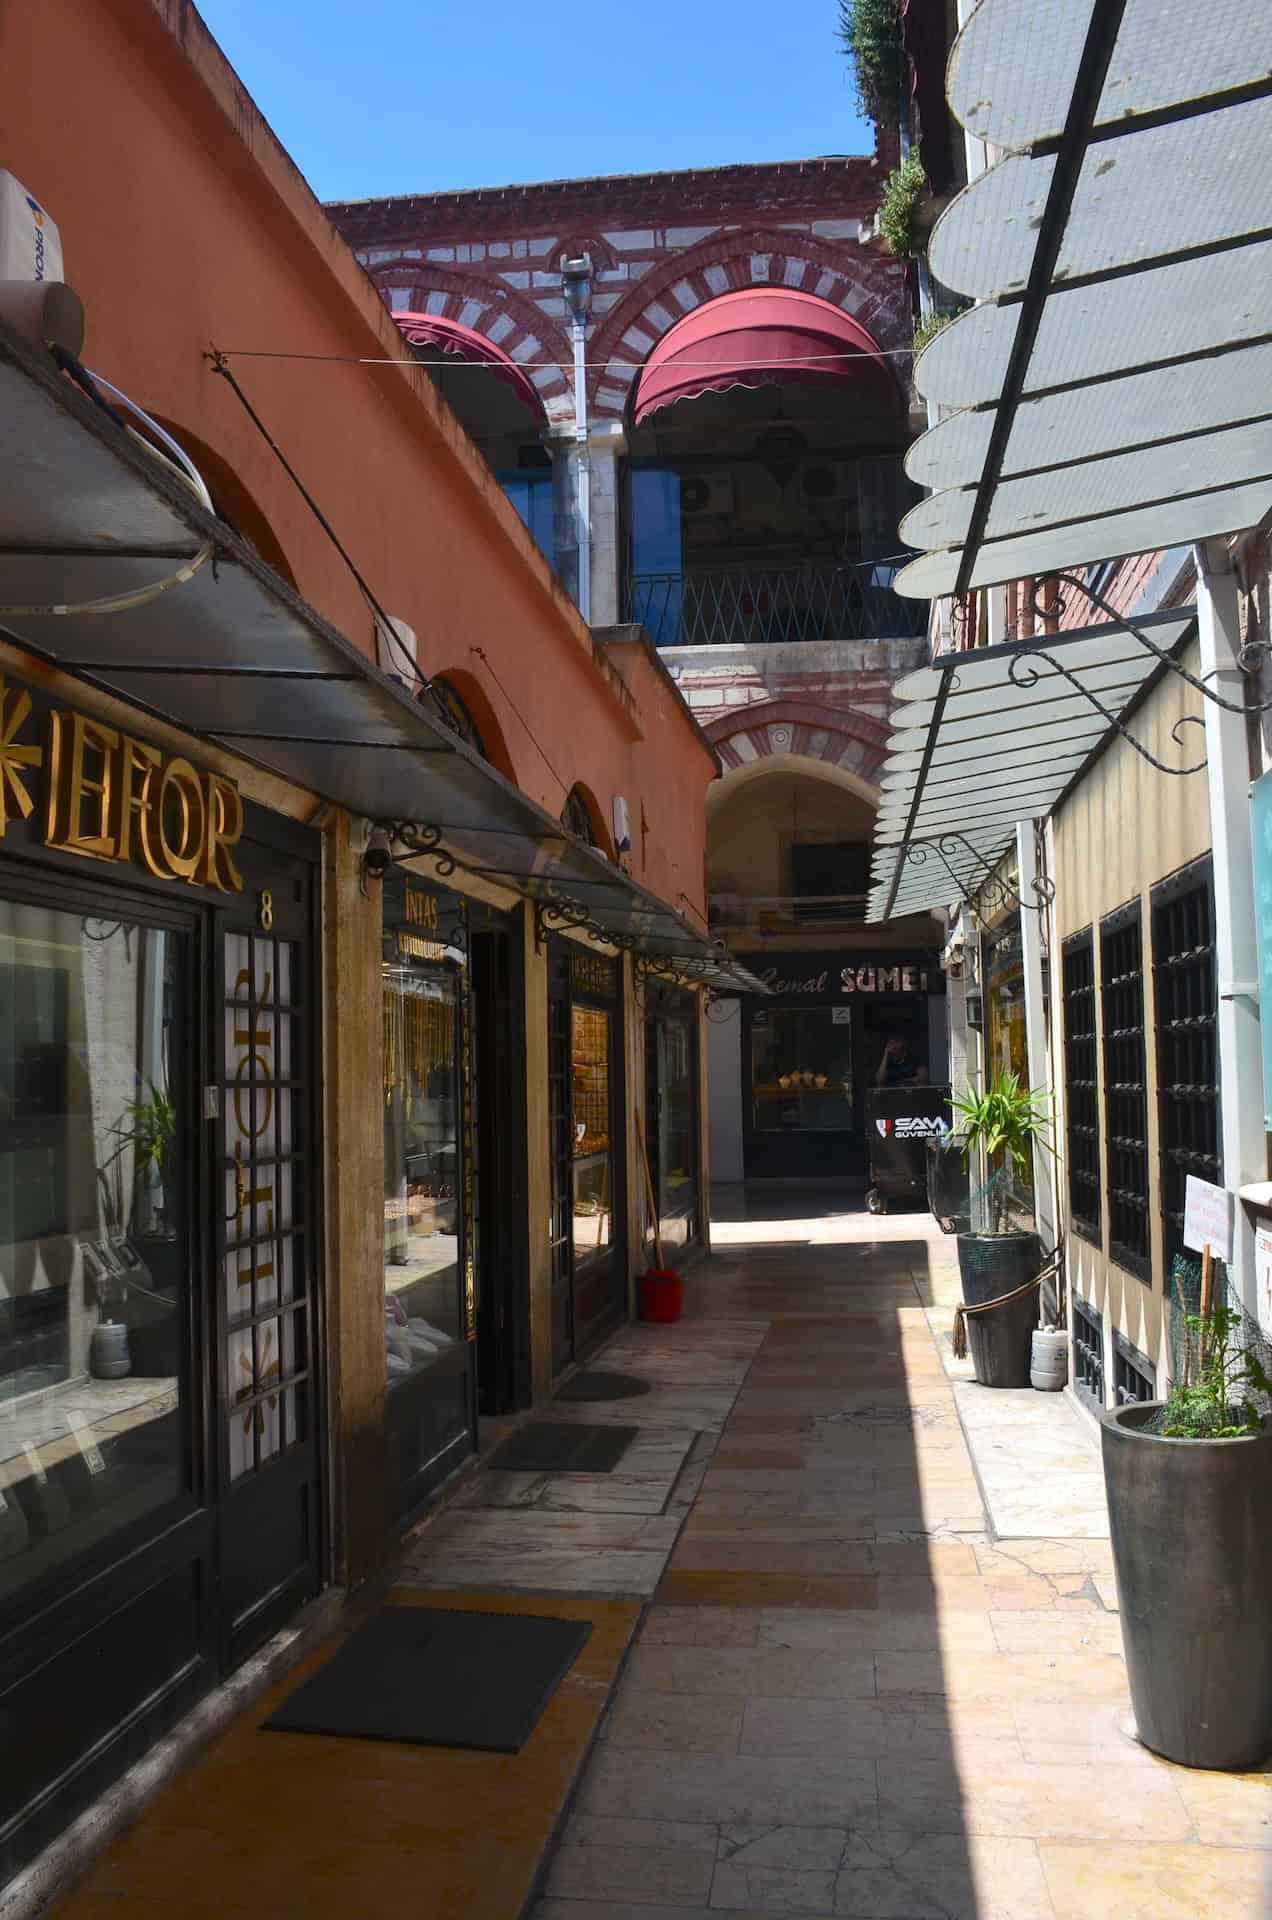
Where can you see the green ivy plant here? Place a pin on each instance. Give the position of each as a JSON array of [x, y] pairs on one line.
[[871, 38], [928, 326], [1212, 1404], [904, 192], [1003, 1118]]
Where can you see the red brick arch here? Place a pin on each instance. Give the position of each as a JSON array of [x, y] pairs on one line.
[[855, 742], [462, 292], [869, 287]]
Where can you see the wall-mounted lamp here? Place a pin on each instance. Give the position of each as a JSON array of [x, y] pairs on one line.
[[376, 859]]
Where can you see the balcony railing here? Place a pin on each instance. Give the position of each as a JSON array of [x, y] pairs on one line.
[[757, 913], [770, 607]]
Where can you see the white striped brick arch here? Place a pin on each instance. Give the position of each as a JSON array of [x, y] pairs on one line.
[[870, 288], [854, 742], [509, 321]]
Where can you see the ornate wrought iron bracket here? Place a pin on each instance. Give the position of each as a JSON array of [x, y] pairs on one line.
[[994, 889], [558, 916], [418, 841], [1249, 660]]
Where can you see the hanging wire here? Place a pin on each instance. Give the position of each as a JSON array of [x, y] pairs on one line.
[[749, 365]]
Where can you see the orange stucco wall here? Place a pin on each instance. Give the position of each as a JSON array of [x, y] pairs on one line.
[[185, 227]]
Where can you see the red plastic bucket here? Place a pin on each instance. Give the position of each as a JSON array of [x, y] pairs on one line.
[[662, 1294]]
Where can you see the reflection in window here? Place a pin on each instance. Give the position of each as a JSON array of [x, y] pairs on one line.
[[801, 1069], [589, 1066], [676, 1111], [93, 1246], [421, 1169]]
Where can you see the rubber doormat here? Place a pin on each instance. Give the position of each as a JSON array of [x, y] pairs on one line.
[[437, 1678], [546, 1446], [592, 1384]]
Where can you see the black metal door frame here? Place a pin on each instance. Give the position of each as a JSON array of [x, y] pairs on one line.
[[496, 967], [268, 1354]]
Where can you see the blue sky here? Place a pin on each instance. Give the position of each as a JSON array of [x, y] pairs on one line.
[[420, 96]]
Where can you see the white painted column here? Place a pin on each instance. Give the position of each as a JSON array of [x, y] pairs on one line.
[[606, 450], [1243, 1143], [1031, 929]]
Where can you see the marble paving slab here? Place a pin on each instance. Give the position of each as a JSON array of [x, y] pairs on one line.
[[641, 1483]]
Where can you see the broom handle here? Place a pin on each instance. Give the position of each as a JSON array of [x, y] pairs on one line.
[[649, 1185]]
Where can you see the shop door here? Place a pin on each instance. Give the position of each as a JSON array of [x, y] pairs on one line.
[[266, 1289], [503, 1346], [586, 1119]]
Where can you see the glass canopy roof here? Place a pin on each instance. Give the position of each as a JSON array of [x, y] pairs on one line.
[[1110, 391], [235, 657], [984, 739]]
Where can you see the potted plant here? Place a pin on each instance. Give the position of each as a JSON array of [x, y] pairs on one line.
[[1189, 1484], [996, 1259]]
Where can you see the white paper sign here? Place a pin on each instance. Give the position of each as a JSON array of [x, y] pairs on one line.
[[1263, 1267], [1207, 1218]]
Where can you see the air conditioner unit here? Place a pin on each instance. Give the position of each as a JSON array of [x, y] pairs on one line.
[[702, 493]]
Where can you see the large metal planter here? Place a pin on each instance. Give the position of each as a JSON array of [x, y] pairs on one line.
[[991, 1265], [1191, 1522]]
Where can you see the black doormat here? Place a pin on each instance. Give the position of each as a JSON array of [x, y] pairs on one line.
[[591, 1384], [438, 1678], [547, 1446]]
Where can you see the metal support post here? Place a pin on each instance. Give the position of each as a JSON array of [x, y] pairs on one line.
[[583, 475], [1242, 1142], [1031, 930]]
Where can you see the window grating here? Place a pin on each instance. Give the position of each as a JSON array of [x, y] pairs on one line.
[[1088, 1352], [1081, 1085], [1125, 1088], [1187, 1056], [1134, 1375]]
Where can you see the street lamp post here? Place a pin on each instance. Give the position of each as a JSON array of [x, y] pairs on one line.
[[576, 287]]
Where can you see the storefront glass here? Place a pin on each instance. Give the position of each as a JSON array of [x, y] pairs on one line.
[[94, 1245], [674, 1104], [421, 1169], [802, 1069], [1006, 1042], [589, 1067]]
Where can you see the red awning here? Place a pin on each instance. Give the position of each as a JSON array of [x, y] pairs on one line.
[[465, 343], [759, 338]]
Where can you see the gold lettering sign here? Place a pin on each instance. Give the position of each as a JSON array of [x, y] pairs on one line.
[[413, 947], [110, 797], [421, 909]]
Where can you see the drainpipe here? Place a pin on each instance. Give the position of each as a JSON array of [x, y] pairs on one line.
[[576, 286], [1243, 1145], [1031, 928]]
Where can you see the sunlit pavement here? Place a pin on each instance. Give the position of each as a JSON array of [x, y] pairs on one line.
[[849, 1689]]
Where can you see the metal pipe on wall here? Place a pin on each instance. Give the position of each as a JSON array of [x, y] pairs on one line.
[[1243, 1143]]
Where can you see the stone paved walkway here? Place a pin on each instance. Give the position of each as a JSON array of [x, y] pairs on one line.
[[849, 1697], [821, 1679]]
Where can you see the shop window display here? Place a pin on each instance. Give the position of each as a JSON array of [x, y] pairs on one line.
[[801, 1069], [422, 1171], [589, 1066], [93, 1236]]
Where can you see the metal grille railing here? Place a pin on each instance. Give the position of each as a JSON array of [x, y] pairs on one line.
[[780, 909], [769, 607], [1187, 1060], [1088, 1352], [1125, 1087], [1081, 1089]]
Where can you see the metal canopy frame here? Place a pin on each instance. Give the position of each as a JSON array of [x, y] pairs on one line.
[[1109, 393], [1001, 734], [234, 657]]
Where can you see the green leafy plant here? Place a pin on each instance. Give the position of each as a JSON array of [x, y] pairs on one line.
[[871, 37], [1004, 1119], [149, 1127], [1211, 1402], [904, 192], [927, 328]]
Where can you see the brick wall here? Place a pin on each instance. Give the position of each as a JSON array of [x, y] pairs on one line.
[[661, 245]]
